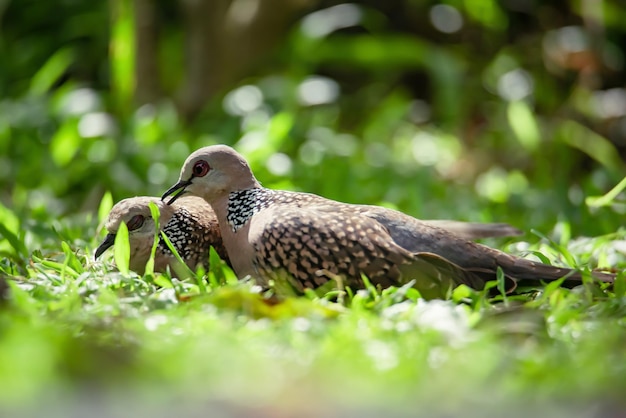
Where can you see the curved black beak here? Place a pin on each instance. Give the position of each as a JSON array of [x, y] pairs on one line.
[[178, 186], [109, 240]]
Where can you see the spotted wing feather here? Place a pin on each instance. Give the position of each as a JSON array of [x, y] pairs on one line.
[[314, 246]]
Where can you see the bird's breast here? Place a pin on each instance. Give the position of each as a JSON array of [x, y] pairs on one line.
[[239, 248]]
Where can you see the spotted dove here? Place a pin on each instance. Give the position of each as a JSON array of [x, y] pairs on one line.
[[190, 225], [274, 235]]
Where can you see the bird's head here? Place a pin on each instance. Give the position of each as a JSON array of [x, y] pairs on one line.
[[211, 173], [135, 213]]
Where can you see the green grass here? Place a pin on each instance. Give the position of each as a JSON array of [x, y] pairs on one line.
[[419, 124], [73, 330]]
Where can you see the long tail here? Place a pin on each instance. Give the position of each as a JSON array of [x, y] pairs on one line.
[[475, 230], [435, 275], [522, 269]]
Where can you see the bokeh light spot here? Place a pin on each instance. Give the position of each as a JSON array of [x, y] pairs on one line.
[[96, 124], [158, 173], [243, 100], [317, 90], [80, 101], [323, 22], [279, 164], [515, 85], [445, 18]]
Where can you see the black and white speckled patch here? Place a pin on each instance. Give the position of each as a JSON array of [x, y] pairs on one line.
[[243, 204], [180, 230]]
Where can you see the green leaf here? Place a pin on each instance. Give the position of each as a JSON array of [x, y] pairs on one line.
[[375, 53], [155, 213], [61, 268], [70, 258], [216, 276], [21, 299], [488, 13], [462, 292], [619, 287], [608, 198], [10, 230], [106, 204], [15, 243], [122, 50], [370, 287], [220, 270], [121, 249], [163, 281], [280, 127], [541, 257], [501, 279], [182, 270], [594, 145], [65, 143], [524, 125], [51, 71]]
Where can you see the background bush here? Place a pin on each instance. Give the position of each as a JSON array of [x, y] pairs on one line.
[[510, 111], [489, 110]]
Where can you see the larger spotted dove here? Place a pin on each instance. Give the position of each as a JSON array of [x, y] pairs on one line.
[[306, 239]]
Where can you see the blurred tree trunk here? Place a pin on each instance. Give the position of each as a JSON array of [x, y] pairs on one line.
[[147, 84], [225, 39]]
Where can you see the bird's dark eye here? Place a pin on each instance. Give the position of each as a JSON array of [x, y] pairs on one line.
[[135, 222], [200, 168]]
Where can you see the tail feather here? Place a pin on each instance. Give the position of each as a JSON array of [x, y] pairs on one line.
[[436, 275], [475, 230], [522, 269]]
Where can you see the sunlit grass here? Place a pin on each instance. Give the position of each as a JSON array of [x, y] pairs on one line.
[[146, 340], [432, 124]]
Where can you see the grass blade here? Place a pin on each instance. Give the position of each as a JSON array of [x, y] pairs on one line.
[[154, 211], [106, 204], [121, 250], [184, 269]]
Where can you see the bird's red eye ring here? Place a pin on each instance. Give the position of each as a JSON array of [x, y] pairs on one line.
[[135, 222], [200, 168]]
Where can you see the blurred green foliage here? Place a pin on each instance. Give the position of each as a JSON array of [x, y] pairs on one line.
[[511, 111], [481, 110]]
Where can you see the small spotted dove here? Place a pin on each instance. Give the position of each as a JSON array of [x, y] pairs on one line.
[[308, 240], [190, 225]]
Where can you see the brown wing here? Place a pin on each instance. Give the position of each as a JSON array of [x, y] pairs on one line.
[[314, 246], [418, 236]]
